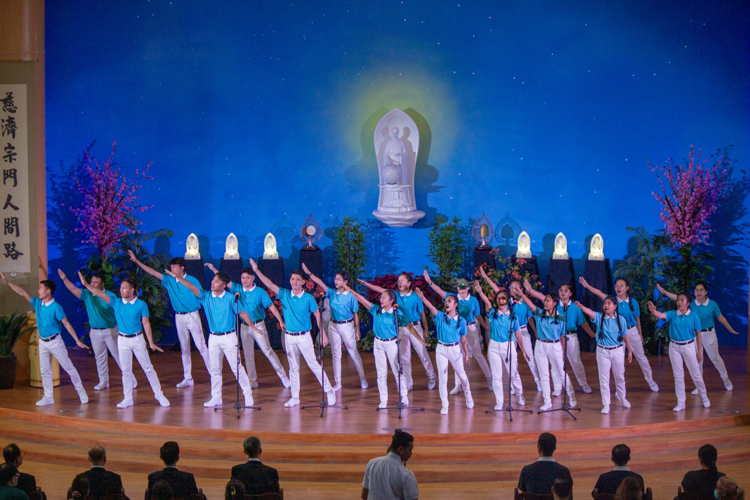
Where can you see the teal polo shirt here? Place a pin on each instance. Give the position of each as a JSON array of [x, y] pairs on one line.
[[449, 330], [612, 333], [129, 315], [49, 317], [383, 323], [706, 312], [297, 310], [522, 312], [574, 316], [623, 307], [500, 326], [410, 307], [682, 327], [254, 301], [183, 300], [220, 311], [100, 314], [468, 309], [548, 327], [343, 305]]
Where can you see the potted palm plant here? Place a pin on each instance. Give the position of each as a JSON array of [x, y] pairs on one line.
[[12, 328]]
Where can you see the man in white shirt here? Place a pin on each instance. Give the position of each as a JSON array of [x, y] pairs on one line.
[[387, 477]]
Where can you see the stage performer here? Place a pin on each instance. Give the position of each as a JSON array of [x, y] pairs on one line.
[[296, 307], [255, 301], [386, 346], [344, 326], [103, 331], [523, 314], [131, 314], [504, 332], [573, 319], [468, 309], [50, 318], [452, 347], [628, 308], [611, 332], [684, 331], [221, 308], [550, 345], [187, 320], [707, 310], [412, 329]]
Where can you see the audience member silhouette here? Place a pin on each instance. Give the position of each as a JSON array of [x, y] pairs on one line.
[[539, 477], [255, 477], [182, 483], [610, 481], [26, 482], [79, 490], [728, 489], [235, 490], [631, 488], [8, 482], [702, 483], [387, 476], [102, 482], [562, 488]]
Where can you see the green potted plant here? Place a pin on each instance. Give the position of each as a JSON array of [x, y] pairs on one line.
[[12, 328]]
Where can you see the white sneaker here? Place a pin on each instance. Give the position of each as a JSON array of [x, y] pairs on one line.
[[557, 393], [728, 385], [512, 391], [213, 402], [573, 402], [404, 401], [292, 402], [605, 410], [249, 400], [455, 390], [83, 396], [285, 381], [499, 407], [625, 403], [163, 401], [538, 387], [383, 404], [444, 410], [337, 387], [254, 384], [363, 384], [695, 392], [331, 398], [521, 401], [431, 383], [706, 402], [410, 388], [188, 382], [125, 403], [45, 401], [587, 389], [545, 407], [652, 385], [469, 401], [101, 386], [679, 407]]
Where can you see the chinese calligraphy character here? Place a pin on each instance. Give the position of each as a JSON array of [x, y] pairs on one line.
[[8, 126], [8, 105], [9, 204], [10, 173], [10, 155], [11, 226], [11, 252]]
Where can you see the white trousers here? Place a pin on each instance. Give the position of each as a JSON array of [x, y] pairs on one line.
[[475, 351], [574, 359], [686, 353], [406, 344], [614, 360], [56, 348], [101, 340], [303, 344], [498, 354], [711, 346], [344, 333], [135, 346], [187, 325], [249, 338], [526, 339], [550, 354], [225, 346], [385, 353], [452, 355], [636, 343]]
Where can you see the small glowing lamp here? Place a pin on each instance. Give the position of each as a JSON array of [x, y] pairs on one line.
[[561, 247], [231, 252], [269, 247], [597, 248], [311, 232], [483, 231], [192, 252], [524, 246]]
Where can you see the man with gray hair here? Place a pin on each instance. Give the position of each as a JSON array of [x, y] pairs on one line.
[[387, 477], [102, 482], [256, 477]]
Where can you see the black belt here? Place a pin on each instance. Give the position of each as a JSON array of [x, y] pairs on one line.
[[342, 322], [414, 323], [707, 329], [472, 323], [219, 334], [131, 336], [549, 341], [684, 343], [387, 340], [180, 314], [297, 334], [50, 339], [448, 345], [609, 348]]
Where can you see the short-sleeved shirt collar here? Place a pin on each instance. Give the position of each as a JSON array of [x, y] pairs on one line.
[[131, 301], [506, 313], [51, 301], [564, 304], [607, 316], [468, 297], [405, 294], [681, 314], [298, 295], [623, 300], [248, 289], [703, 304], [388, 311], [345, 292], [452, 317], [218, 295]]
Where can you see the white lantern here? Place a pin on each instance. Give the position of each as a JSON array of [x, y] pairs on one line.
[[524, 246], [269, 247], [192, 244], [561, 247], [231, 252], [597, 248]]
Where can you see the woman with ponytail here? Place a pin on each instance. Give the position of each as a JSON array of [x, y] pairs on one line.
[[702, 483], [235, 490]]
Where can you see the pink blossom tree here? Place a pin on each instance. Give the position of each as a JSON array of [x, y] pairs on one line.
[[109, 202]]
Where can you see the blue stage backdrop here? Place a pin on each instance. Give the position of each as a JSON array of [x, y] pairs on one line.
[[257, 114]]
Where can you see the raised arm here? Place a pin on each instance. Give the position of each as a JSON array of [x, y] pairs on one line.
[[530, 290], [434, 287], [216, 271], [365, 303], [269, 284], [669, 295], [94, 291], [528, 302], [433, 310], [658, 314], [72, 333], [69, 285], [315, 279], [589, 312], [152, 272], [478, 288], [374, 288], [196, 291], [20, 291], [492, 284], [591, 289]]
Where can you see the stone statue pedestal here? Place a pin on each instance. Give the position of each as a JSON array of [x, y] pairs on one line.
[[484, 256], [195, 269], [561, 272], [313, 259], [233, 269]]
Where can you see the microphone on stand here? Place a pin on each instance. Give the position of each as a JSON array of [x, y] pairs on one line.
[[237, 296]]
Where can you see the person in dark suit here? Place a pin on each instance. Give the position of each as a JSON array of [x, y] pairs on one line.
[[26, 482], [101, 481], [182, 483], [701, 483], [539, 477], [610, 481], [256, 477]]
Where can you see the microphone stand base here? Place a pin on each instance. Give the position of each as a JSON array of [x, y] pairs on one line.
[[237, 406]]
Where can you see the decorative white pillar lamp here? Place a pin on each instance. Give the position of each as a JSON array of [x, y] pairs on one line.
[[231, 248], [269, 247], [561, 247], [192, 245], [524, 246]]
